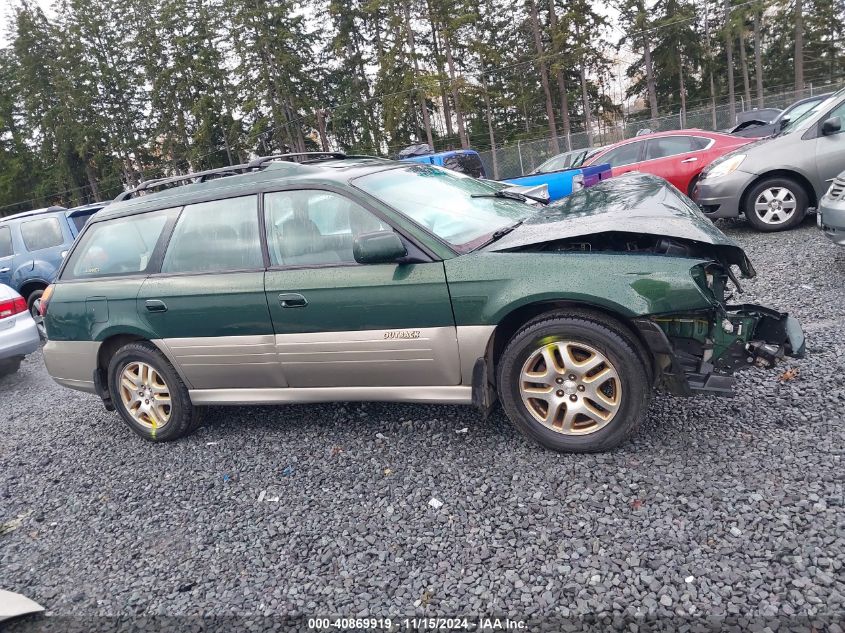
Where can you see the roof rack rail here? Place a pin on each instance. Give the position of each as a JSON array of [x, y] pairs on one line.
[[261, 160], [201, 176]]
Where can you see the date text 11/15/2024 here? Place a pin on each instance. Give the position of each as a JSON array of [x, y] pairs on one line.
[[417, 624]]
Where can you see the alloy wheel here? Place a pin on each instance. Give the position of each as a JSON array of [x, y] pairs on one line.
[[145, 395], [775, 205], [570, 387]]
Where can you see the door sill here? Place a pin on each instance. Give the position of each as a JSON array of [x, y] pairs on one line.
[[458, 394]]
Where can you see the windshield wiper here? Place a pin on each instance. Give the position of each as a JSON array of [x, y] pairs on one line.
[[502, 193], [499, 234]]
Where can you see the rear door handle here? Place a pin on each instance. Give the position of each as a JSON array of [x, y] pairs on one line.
[[156, 305], [690, 160], [5, 270], [292, 300]]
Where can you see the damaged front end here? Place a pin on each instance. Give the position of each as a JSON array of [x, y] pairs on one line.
[[698, 352], [696, 349]]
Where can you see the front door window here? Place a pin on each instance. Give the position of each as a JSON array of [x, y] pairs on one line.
[[314, 228]]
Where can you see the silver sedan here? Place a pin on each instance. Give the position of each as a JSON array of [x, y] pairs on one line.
[[18, 332]]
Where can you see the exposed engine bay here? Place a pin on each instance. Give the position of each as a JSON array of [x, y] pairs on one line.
[[640, 243], [698, 352]]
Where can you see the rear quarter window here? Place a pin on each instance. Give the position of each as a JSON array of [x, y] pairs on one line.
[[40, 234], [122, 246], [6, 249], [81, 219]]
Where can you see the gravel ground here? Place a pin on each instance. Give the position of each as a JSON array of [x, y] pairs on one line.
[[719, 507]]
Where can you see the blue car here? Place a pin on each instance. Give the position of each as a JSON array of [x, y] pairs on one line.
[[560, 182], [465, 161], [32, 246]]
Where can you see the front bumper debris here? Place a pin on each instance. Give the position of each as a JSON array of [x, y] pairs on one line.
[[699, 353]]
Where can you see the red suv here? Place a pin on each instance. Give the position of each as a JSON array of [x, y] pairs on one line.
[[678, 156]]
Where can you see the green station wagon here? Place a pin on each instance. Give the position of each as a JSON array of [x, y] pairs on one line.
[[341, 278]]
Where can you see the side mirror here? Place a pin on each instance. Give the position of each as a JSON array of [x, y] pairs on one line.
[[785, 121], [832, 125], [378, 247]]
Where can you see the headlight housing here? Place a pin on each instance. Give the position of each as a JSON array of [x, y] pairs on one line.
[[726, 167], [712, 279]]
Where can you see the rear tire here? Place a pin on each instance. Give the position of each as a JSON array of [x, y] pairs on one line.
[[691, 187], [149, 395], [33, 302], [776, 204], [591, 398]]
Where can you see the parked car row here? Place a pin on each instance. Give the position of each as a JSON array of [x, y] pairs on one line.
[[772, 180], [678, 157], [831, 214], [766, 122], [18, 332], [32, 247], [33, 244]]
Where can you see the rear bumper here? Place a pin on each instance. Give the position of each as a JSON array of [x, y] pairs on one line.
[[18, 336], [719, 197], [72, 363], [831, 219]]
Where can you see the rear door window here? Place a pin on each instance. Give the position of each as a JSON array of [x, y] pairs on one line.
[[668, 146], [216, 236], [40, 234], [6, 249], [123, 246]]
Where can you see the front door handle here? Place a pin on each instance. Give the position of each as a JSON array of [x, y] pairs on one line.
[[292, 300], [156, 305], [690, 160], [5, 270]]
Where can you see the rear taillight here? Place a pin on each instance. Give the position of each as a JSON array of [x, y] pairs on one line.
[[11, 307], [45, 300]]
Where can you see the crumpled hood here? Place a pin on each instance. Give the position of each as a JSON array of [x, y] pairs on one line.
[[634, 203]]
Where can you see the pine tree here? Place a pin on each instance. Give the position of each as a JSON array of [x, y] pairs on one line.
[[634, 15]]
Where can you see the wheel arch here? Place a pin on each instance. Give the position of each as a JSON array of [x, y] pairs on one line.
[[801, 179], [110, 346], [519, 316], [112, 342], [32, 285]]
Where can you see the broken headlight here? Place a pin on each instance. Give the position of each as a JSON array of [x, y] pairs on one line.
[[713, 281]]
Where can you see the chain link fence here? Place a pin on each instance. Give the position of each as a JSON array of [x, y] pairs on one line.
[[522, 157]]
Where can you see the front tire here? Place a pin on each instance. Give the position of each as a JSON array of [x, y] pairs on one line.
[[149, 395], [776, 204], [574, 383]]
